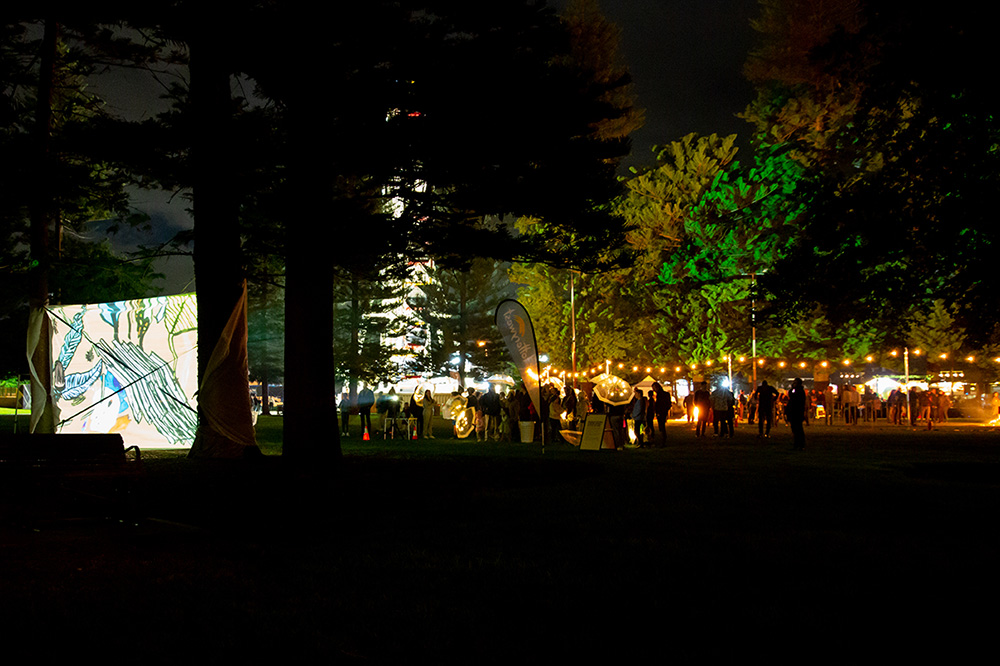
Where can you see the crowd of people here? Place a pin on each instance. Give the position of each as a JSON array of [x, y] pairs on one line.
[[642, 421]]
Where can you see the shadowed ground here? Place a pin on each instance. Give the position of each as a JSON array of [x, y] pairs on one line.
[[873, 542]]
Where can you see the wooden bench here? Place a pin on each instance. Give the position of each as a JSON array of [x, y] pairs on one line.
[[57, 475]]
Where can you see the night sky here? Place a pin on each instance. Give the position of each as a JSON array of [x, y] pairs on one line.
[[686, 59]]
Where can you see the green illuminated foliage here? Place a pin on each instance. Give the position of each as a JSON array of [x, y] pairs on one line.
[[744, 223]]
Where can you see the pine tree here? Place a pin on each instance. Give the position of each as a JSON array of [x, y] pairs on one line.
[[459, 306]]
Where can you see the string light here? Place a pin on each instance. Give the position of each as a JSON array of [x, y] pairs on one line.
[[760, 361]]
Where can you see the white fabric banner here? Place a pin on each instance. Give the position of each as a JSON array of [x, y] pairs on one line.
[[129, 367]]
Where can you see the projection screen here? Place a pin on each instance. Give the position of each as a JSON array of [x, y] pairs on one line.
[[128, 367]]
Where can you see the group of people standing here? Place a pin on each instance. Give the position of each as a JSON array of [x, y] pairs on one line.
[[497, 414], [645, 409]]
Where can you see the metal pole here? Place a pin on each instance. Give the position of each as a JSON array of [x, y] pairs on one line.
[[753, 326], [906, 373], [572, 319]]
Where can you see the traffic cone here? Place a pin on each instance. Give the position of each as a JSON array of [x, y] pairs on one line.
[[365, 437], [414, 430]]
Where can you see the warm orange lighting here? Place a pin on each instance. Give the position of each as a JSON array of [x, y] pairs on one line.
[[824, 364], [662, 370], [943, 356], [781, 364], [869, 359], [677, 369], [742, 358], [648, 370], [760, 362], [894, 353], [970, 359], [802, 364], [917, 352], [847, 361], [635, 368], [708, 363], [621, 365]]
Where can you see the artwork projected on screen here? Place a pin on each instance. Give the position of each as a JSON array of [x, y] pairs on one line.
[[128, 367]]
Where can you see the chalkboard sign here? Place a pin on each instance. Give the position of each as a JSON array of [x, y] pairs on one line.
[[593, 432]]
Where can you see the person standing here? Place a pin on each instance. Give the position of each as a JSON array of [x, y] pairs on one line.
[[893, 406], [944, 404], [514, 414], [796, 412], [345, 413], [472, 402], [555, 415], [366, 400], [638, 415], [390, 414], [703, 403], [490, 403], [415, 414], [650, 416], [766, 398], [569, 406], [428, 414], [722, 409], [829, 402], [662, 409]]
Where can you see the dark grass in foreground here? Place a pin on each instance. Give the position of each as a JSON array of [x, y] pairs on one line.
[[872, 543]]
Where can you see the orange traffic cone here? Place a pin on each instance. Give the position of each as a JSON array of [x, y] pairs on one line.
[[414, 430], [365, 437]]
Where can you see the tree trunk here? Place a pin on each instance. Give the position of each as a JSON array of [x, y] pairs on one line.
[[463, 328], [42, 213], [265, 396], [218, 265], [354, 352], [311, 433]]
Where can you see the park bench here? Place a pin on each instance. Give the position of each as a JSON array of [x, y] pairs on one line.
[[58, 477]]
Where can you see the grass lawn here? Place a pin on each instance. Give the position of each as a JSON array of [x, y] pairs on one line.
[[873, 543]]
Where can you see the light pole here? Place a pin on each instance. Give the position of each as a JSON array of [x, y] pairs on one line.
[[572, 320], [753, 326]]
